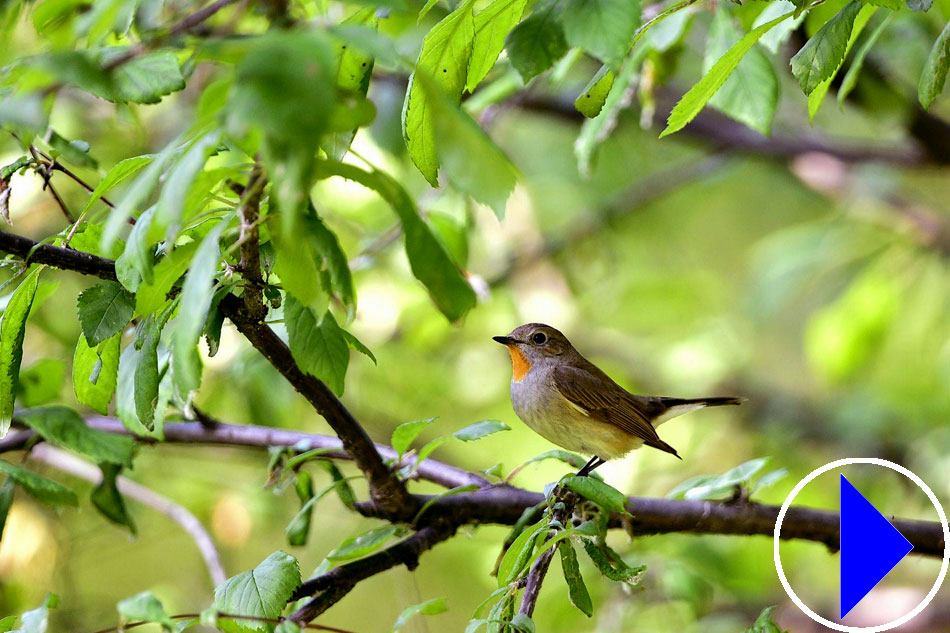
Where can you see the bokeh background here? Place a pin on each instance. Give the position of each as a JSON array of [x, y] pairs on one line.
[[814, 283]]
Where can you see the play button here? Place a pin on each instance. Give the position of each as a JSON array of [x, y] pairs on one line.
[[870, 546]]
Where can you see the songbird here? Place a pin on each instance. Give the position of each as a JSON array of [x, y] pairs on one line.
[[569, 401]]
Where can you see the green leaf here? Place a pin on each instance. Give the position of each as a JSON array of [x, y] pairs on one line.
[[523, 623], [857, 64], [479, 430], [429, 607], [430, 263], [106, 498], [138, 192], [7, 623], [618, 571], [620, 93], [170, 208], [602, 28], [193, 308], [318, 345], [116, 174], [473, 163], [769, 478], [764, 623], [934, 75], [6, 500], [137, 391], [693, 101], [37, 620], [572, 459], [298, 530], [356, 344], [147, 78], [537, 42], [40, 488], [151, 296], [446, 52], [518, 554], [41, 382], [135, 265], [713, 486], [354, 71], [145, 607], [750, 94], [404, 434], [774, 39], [95, 371], [64, 427], [591, 101], [262, 592], [492, 25], [597, 491], [577, 590], [76, 152], [823, 53], [359, 546], [12, 331], [818, 95], [104, 311], [281, 71], [329, 256]]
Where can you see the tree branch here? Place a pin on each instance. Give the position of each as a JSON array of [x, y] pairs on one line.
[[336, 583], [248, 211], [504, 505], [386, 490]]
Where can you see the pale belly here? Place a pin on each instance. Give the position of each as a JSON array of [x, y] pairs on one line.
[[556, 420]]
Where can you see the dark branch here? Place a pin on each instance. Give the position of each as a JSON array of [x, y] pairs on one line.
[[249, 211], [503, 505], [336, 583], [386, 489]]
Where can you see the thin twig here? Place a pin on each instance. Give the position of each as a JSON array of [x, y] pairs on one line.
[[562, 513], [232, 616], [75, 466]]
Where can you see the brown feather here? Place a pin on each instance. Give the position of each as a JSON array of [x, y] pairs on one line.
[[601, 398]]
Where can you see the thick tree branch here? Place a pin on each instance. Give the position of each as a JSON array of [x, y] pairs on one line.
[[248, 211], [503, 505], [336, 583], [386, 489]]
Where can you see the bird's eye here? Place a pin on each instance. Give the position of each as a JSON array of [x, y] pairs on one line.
[[539, 338]]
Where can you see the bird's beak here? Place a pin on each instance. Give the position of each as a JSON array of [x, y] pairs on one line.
[[505, 340]]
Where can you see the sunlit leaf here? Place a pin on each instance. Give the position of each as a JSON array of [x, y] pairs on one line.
[[262, 592], [492, 25], [104, 311], [696, 98], [359, 546], [404, 434], [12, 331], [934, 75], [317, 344], [95, 372], [429, 607], [145, 607], [823, 53], [597, 491], [602, 28]]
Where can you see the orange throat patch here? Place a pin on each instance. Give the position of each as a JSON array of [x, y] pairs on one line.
[[519, 363]]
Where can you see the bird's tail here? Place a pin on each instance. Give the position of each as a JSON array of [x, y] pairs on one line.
[[672, 407]]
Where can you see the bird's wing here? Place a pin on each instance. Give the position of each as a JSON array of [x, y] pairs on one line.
[[607, 402]]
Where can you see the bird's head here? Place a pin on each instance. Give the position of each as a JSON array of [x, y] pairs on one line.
[[532, 344]]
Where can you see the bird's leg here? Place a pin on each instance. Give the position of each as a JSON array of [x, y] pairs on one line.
[[590, 466]]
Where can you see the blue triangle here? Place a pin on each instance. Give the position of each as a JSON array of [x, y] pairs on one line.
[[870, 546]]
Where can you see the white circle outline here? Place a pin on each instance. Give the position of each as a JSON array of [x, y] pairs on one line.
[[847, 462]]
